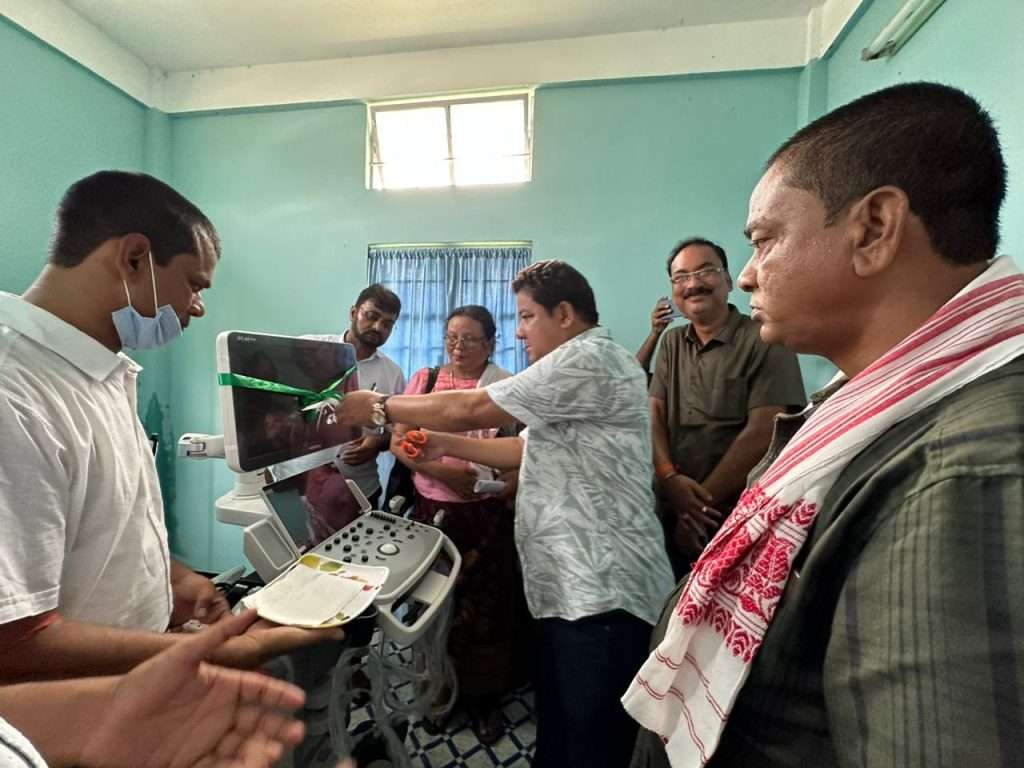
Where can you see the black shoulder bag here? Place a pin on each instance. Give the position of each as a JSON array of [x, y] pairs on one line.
[[400, 479]]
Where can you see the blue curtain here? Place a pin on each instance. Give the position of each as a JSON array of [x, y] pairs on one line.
[[431, 280]]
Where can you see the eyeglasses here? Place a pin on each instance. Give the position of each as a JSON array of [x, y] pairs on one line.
[[451, 340], [372, 316], [705, 275]]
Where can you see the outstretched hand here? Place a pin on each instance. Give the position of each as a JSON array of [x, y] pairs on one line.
[[461, 480], [362, 450], [431, 450], [356, 408], [196, 597], [263, 640], [511, 479], [177, 710]]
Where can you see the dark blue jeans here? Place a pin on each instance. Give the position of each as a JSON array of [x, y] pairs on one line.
[[581, 670]]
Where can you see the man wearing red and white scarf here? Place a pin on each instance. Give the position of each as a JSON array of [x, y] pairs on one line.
[[864, 603]]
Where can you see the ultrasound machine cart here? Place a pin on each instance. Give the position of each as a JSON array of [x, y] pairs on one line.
[[280, 452]]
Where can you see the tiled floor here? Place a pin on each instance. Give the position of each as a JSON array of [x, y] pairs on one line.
[[456, 746], [459, 746]]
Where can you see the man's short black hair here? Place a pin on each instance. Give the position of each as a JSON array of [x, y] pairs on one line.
[[115, 203], [385, 299], [932, 141], [551, 282], [719, 251]]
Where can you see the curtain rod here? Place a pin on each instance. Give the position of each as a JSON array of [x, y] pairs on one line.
[[491, 244]]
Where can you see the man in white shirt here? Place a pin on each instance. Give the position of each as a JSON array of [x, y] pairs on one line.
[[372, 318], [591, 547], [87, 585]]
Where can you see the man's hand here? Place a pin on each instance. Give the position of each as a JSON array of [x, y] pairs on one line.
[[363, 449], [461, 480], [195, 597], [510, 477], [688, 542], [690, 501], [264, 640], [661, 316], [432, 450], [178, 710], [356, 408]]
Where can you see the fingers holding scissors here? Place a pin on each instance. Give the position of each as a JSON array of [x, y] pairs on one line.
[[413, 443]]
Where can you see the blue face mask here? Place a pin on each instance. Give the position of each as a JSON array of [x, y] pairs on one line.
[[140, 332]]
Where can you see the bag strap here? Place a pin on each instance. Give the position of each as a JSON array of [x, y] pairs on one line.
[[432, 379]]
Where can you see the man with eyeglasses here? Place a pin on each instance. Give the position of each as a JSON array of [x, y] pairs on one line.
[[715, 391], [863, 606], [372, 318]]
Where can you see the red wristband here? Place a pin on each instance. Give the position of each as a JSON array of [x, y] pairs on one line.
[[664, 470]]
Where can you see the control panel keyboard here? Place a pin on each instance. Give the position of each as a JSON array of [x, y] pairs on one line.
[[406, 547]]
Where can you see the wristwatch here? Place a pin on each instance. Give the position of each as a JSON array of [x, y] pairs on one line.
[[379, 412]]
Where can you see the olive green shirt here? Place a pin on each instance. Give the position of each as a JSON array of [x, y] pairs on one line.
[[899, 640], [710, 389]]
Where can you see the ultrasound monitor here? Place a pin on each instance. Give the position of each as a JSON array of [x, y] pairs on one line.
[[313, 505], [264, 427]]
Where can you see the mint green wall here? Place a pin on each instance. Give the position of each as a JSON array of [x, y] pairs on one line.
[[621, 171], [972, 44], [58, 122], [812, 99]]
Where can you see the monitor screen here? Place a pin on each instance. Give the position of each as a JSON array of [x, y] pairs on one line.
[[263, 426], [312, 505]]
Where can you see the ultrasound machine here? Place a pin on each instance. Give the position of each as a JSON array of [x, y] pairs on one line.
[[297, 511]]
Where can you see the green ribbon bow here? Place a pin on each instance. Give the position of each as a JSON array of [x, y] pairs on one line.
[[306, 397]]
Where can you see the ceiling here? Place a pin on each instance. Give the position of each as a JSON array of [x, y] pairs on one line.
[[184, 56], [226, 33]]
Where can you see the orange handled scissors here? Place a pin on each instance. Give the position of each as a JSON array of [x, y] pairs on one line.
[[412, 445]]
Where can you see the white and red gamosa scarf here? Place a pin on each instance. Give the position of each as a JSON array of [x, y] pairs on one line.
[[686, 688]]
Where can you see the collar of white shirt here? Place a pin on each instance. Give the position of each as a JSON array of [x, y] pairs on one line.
[[48, 330], [373, 356], [597, 332]]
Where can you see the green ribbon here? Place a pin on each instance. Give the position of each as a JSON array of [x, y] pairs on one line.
[[306, 397]]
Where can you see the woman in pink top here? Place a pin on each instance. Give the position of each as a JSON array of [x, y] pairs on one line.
[[482, 637]]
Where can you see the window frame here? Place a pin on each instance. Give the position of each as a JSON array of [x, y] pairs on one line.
[[375, 164]]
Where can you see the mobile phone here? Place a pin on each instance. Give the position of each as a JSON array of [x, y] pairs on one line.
[[666, 301]]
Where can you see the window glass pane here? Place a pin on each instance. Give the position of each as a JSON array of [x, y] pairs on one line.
[[411, 133], [491, 170], [406, 174], [489, 142], [412, 145], [489, 128]]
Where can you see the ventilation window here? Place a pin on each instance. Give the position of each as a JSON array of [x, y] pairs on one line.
[[455, 142]]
